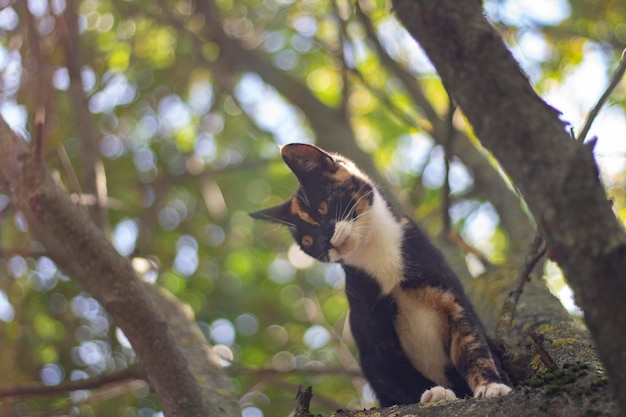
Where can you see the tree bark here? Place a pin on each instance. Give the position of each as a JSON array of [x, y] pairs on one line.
[[556, 175], [82, 251]]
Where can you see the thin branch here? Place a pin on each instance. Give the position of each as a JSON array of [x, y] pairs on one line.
[[536, 251], [617, 76], [408, 119], [24, 253], [37, 389], [306, 371], [42, 74], [40, 122], [403, 116], [92, 172], [447, 157], [343, 40], [69, 169], [458, 240], [303, 402], [91, 200], [545, 356], [321, 400], [106, 393], [409, 80]]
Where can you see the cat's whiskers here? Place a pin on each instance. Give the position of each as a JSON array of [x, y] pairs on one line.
[[356, 203], [304, 197], [274, 233], [349, 209]]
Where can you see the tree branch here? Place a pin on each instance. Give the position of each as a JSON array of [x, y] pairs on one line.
[[132, 372], [447, 158], [535, 253], [308, 371], [82, 251], [92, 171]]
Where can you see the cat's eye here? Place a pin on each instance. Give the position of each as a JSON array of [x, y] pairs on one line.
[[323, 208], [307, 240]]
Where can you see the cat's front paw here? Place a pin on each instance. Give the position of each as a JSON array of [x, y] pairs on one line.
[[437, 393], [491, 390]]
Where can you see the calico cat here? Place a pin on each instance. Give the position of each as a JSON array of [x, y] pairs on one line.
[[418, 337]]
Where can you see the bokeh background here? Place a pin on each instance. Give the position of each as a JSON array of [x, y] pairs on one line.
[[188, 101]]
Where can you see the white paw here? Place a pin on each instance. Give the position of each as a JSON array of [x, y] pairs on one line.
[[437, 394], [491, 390]]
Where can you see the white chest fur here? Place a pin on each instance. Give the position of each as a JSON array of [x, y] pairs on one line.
[[373, 242], [422, 333]]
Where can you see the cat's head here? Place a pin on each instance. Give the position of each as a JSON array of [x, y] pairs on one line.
[[329, 214]]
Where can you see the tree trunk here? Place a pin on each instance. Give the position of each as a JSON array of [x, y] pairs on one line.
[[556, 175]]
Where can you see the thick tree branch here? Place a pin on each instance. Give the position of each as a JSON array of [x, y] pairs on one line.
[[557, 176], [521, 403], [81, 250]]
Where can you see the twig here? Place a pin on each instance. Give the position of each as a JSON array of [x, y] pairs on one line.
[[42, 77], [543, 353], [69, 169], [132, 372], [303, 401], [92, 174], [394, 110], [343, 40], [36, 156], [458, 240], [536, 251], [286, 385], [24, 253], [447, 156], [409, 80], [40, 122], [405, 117], [617, 76]]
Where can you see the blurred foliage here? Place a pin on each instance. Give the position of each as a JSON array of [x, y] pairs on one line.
[[189, 150]]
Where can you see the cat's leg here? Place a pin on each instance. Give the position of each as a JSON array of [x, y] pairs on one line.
[[493, 389], [472, 357], [437, 393], [393, 378]]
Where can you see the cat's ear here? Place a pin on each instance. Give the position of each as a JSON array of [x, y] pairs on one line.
[[280, 214], [303, 159]]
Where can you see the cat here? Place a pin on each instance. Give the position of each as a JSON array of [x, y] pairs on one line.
[[418, 337]]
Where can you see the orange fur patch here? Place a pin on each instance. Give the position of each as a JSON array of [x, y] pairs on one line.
[[362, 204], [424, 326], [297, 210], [341, 174]]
